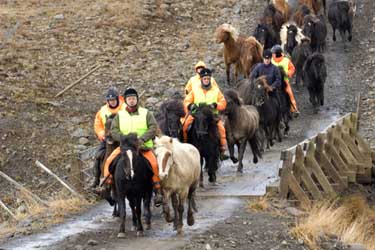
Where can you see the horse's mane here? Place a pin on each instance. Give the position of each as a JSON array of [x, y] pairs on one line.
[[226, 28], [255, 48], [262, 80], [233, 95], [205, 109], [165, 141], [129, 141]]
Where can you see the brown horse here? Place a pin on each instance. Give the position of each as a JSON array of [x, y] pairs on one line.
[[243, 52], [283, 7], [241, 126], [315, 5], [301, 12]]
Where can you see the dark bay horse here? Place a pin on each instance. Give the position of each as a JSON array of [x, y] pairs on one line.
[[169, 118], [266, 35], [133, 180], [285, 103], [204, 136]]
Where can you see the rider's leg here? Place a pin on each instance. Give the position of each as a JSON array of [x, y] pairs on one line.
[[99, 157], [289, 90], [189, 120], [223, 139], [106, 174], [149, 155]]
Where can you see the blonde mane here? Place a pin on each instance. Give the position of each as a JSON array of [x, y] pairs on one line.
[[227, 28]]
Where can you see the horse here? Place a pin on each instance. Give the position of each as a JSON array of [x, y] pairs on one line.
[[283, 7], [273, 17], [169, 116], [315, 75], [314, 5], [315, 28], [204, 135], [291, 35], [179, 171], [299, 56], [300, 13], [241, 125], [133, 180], [266, 36], [285, 103], [243, 52], [340, 16], [258, 93]]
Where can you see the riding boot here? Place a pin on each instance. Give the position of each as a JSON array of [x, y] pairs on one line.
[[96, 172], [223, 156], [158, 199]]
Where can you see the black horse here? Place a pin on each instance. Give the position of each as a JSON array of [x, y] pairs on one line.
[[205, 137], [266, 36], [299, 56], [169, 118], [315, 75], [133, 180], [285, 103], [315, 28]]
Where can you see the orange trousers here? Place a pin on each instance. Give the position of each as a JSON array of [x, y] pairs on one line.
[[220, 126], [289, 91], [149, 155]]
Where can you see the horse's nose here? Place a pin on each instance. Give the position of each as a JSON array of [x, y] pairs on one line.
[[163, 176]]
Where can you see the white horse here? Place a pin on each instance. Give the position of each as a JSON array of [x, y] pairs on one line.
[[179, 171]]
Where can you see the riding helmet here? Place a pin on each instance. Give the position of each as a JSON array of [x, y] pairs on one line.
[[130, 92], [277, 49], [205, 72], [112, 93], [267, 54], [200, 64]]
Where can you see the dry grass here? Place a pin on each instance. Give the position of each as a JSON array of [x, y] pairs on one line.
[[59, 208], [352, 220], [262, 204]]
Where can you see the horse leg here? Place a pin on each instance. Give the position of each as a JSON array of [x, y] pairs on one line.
[[350, 33], [115, 206], [201, 175], [231, 153], [191, 205], [166, 208], [175, 209], [343, 38], [134, 213], [241, 151], [334, 34], [138, 209], [147, 209], [181, 202], [122, 211], [227, 67]]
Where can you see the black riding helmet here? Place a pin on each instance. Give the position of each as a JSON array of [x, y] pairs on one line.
[[205, 72], [112, 94], [277, 49], [267, 54], [130, 92]]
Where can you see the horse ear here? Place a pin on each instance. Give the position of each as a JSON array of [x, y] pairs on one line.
[[157, 139], [171, 140]]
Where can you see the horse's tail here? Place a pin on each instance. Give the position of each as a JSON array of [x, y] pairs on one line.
[[191, 197], [256, 146]]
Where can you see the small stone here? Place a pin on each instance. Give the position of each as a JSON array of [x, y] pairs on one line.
[[208, 247], [284, 243], [92, 243], [80, 132], [59, 17], [83, 141], [371, 50]]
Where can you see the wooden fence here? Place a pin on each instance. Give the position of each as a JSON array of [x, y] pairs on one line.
[[324, 165]]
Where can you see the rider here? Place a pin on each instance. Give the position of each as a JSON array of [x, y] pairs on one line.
[[211, 95], [267, 69], [196, 80], [279, 59], [135, 119], [113, 105]]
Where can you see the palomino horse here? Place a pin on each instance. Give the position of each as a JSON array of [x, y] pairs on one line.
[[205, 137], [133, 180], [243, 52], [241, 126], [169, 117], [179, 171]]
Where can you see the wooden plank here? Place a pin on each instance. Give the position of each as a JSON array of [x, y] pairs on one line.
[[298, 191], [358, 155], [317, 171], [39, 164], [32, 196], [2, 204], [305, 175], [287, 157], [325, 164]]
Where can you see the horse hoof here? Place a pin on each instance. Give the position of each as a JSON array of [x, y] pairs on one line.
[[201, 184], [133, 228], [255, 160], [121, 235], [190, 220], [169, 219], [240, 170], [148, 226], [234, 160], [179, 231], [140, 233]]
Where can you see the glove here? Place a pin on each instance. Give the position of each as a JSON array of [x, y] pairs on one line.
[[213, 105], [101, 136], [192, 106], [140, 142]]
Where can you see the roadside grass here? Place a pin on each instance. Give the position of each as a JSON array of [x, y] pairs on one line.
[[351, 219]]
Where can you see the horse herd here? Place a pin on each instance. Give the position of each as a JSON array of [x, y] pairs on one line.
[[254, 114]]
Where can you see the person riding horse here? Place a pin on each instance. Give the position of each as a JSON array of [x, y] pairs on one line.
[[115, 102], [135, 119], [279, 59], [196, 80], [267, 69], [205, 92]]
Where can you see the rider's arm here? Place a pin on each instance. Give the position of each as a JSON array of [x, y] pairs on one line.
[[221, 102], [152, 127], [291, 69], [99, 126], [255, 72], [115, 129], [189, 86], [276, 77], [188, 100]]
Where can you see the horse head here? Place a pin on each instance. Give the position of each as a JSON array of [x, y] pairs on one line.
[[224, 32], [174, 111], [233, 101], [107, 129], [261, 33], [261, 90], [204, 118], [291, 41], [318, 66], [309, 25], [129, 151], [163, 153]]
